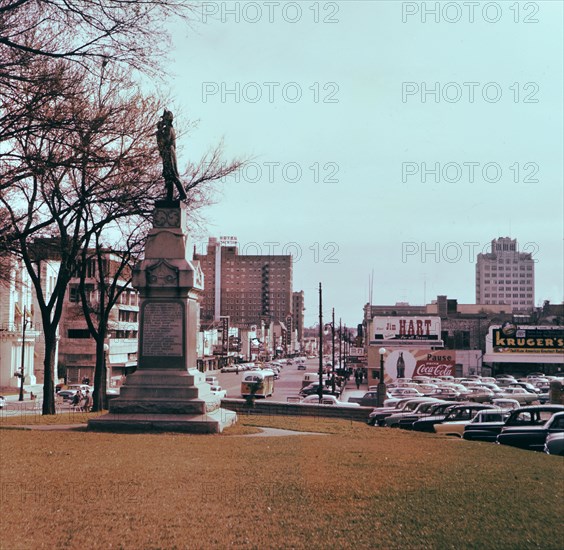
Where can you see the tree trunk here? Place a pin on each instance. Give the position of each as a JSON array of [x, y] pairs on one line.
[[48, 366], [99, 397]]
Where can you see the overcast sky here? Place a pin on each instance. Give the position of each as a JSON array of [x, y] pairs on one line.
[[345, 109]]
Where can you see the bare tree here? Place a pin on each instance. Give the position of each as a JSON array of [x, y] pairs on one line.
[[77, 138], [122, 31]]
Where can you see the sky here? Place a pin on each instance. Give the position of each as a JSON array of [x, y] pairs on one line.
[[383, 137]]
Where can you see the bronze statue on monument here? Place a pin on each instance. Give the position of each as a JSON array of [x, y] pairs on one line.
[[166, 141]]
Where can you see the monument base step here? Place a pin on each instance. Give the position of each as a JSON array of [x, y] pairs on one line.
[[214, 422], [155, 405]]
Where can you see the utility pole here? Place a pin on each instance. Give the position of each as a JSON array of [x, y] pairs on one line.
[[320, 389], [333, 349], [340, 344]]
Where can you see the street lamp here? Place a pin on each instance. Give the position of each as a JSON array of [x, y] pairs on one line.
[[22, 368], [381, 391], [332, 325]]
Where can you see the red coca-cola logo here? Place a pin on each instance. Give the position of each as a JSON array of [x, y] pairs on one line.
[[433, 369]]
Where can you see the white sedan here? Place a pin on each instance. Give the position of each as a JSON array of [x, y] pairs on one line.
[[326, 400], [219, 391]]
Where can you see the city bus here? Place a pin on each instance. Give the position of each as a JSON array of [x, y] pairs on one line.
[[259, 383]]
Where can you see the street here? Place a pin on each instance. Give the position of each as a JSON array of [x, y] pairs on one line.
[[288, 385]]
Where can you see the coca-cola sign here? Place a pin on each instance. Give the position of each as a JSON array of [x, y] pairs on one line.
[[434, 368]]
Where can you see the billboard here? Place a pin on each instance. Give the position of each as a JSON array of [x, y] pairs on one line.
[[409, 362], [510, 338], [402, 329]]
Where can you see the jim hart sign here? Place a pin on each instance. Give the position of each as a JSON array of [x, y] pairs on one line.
[[406, 328]]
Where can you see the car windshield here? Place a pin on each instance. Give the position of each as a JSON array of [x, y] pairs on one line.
[[530, 418]]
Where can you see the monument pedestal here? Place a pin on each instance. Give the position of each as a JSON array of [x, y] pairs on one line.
[[167, 392]]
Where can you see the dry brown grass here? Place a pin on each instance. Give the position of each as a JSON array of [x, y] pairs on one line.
[[360, 487]]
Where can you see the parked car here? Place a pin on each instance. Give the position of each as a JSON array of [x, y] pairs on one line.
[[463, 419], [219, 391], [519, 394], [464, 411], [381, 412], [436, 409], [67, 395], [528, 427], [314, 389], [378, 416], [526, 386], [369, 399], [444, 393], [554, 444], [405, 392], [414, 409], [486, 425], [2, 401], [505, 403], [477, 394], [326, 400]]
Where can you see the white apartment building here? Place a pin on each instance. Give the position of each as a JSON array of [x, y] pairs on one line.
[[18, 330], [506, 276]]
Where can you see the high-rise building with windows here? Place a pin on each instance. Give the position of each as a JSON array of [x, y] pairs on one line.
[[298, 309], [506, 276], [246, 288]]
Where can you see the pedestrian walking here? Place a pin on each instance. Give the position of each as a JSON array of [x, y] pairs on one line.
[[87, 401], [76, 400]]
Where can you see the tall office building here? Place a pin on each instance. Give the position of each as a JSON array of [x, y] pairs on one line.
[[506, 276], [246, 288], [298, 309]]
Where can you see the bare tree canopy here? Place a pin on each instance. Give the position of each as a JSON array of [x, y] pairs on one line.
[[125, 31], [78, 156]]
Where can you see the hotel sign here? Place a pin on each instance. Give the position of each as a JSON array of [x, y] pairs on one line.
[[406, 328], [228, 241]]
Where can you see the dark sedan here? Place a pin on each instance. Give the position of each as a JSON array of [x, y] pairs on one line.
[[528, 427], [486, 426], [439, 409], [314, 388], [465, 411]]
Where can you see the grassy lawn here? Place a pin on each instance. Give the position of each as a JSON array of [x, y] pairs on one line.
[[358, 487]]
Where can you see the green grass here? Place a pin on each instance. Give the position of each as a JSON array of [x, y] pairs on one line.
[[358, 487]]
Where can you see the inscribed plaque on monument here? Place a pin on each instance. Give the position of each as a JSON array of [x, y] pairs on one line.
[[163, 324]]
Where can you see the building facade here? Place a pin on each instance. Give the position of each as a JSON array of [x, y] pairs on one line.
[[298, 308], [245, 288], [18, 330], [77, 348], [506, 276]]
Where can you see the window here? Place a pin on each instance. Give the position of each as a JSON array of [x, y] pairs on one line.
[[78, 333]]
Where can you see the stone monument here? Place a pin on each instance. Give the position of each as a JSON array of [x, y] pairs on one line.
[[167, 392]]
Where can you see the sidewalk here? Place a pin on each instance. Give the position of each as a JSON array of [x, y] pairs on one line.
[[351, 390]]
